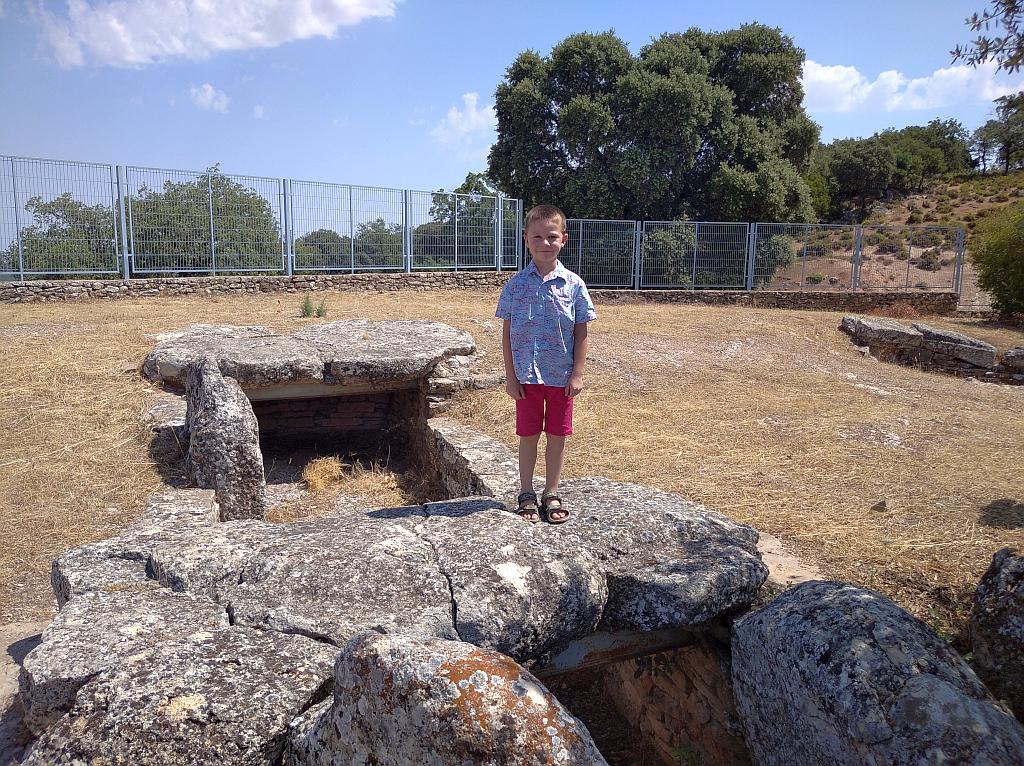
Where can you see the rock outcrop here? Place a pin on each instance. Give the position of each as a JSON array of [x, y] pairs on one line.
[[921, 345], [400, 700], [997, 628], [831, 673], [215, 696]]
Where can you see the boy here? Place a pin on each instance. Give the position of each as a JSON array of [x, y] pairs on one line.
[[545, 309]]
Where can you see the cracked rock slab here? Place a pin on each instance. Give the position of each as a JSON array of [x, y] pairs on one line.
[[400, 700], [221, 696], [176, 350], [99, 630], [957, 345], [335, 577], [670, 563], [831, 673], [516, 591], [869, 331]]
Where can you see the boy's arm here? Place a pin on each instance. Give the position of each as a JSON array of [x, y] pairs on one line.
[[512, 385], [579, 359]]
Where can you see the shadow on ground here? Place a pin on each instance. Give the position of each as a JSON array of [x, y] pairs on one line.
[[1005, 513]]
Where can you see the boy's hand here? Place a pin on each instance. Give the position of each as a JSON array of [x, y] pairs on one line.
[[574, 386], [514, 388]]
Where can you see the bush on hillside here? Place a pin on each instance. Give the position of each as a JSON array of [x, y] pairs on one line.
[[998, 256]]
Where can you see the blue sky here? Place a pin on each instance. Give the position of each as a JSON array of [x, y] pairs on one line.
[[399, 93]]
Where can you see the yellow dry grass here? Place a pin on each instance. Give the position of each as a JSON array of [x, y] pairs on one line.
[[768, 416]]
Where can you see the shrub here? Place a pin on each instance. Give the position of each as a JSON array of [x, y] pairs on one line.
[[914, 217], [306, 309], [321, 310], [930, 260], [998, 256], [815, 279]]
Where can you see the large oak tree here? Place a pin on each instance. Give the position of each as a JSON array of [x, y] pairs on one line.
[[699, 125]]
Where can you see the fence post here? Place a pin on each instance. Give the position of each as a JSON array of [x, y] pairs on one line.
[[351, 231], [455, 209], [213, 244], [638, 249], [499, 229], [406, 230], [751, 255], [910, 254], [519, 234], [286, 223], [17, 224], [121, 187], [858, 244], [958, 267], [693, 268]]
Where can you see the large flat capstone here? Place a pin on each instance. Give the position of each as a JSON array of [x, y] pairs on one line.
[[351, 352]]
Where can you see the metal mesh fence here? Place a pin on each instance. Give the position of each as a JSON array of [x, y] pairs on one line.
[[60, 217], [693, 255], [181, 221], [909, 257], [600, 251], [378, 218], [57, 217], [322, 227], [797, 256]]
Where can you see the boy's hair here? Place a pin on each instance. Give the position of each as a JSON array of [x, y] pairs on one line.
[[544, 213]]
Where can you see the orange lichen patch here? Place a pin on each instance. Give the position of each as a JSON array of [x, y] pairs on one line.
[[179, 708], [539, 715]]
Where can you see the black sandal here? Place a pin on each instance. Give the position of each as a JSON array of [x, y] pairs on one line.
[[527, 502], [550, 504]]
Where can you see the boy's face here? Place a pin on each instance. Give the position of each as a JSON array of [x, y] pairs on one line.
[[545, 240]]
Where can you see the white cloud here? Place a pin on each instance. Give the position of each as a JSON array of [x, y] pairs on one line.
[[467, 126], [843, 88], [206, 96], [258, 112], [131, 33]]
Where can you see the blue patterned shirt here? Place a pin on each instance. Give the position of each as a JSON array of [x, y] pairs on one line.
[[544, 312]]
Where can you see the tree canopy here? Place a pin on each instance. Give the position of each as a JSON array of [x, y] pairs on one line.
[[699, 125], [1005, 47]]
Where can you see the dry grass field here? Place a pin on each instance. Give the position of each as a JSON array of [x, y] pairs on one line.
[[768, 416]]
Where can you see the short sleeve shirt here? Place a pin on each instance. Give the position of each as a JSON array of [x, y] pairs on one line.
[[543, 312]]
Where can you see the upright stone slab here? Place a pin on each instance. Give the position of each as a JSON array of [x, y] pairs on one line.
[[997, 628], [829, 673], [224, 444], [400, 701]]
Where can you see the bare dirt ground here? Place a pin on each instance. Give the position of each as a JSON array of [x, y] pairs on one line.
[[768, 416]]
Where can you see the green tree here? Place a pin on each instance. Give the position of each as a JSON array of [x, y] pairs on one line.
[[1006, 47], [862, 168], [997, 251], [64, 234], [171, 226], [698, 125], [984, 144], [1008, 129]]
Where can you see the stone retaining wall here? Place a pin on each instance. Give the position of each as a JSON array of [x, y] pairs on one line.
[[84, 289], [924, 303]]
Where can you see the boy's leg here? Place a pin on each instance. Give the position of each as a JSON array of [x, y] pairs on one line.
[[554, 459], [557, 425], [527, 461]]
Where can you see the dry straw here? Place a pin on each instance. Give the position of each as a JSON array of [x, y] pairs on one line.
[[768, 416]]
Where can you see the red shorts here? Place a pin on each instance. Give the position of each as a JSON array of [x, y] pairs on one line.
[[545, 408]]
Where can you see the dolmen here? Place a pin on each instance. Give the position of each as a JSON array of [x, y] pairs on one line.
[[204, 633]]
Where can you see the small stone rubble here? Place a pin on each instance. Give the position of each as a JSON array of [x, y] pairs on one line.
[[920, 345]]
